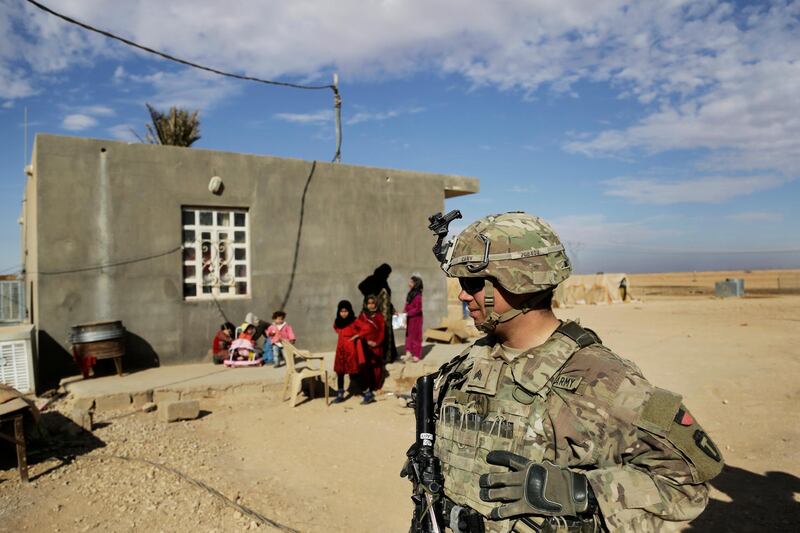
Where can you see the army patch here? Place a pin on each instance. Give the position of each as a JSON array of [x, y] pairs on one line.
[[708, 447], [683, 418], [484, 376], [567, 382]]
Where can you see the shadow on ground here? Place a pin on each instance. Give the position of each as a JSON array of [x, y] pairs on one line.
[[55, 437], [759, 503]]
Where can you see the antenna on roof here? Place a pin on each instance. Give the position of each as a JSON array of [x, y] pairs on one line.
[[337, 105], [25, 140]]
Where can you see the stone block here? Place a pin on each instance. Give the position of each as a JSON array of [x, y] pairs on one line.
[[113, 402], [160, 396], [82, 418], [84, 403], [141, 398], [179, 410], [248, 389], [149, 406]]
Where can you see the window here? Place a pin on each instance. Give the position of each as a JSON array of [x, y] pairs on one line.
[[215, 253]]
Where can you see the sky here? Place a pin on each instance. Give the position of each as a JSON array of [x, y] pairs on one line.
[[653, 136]]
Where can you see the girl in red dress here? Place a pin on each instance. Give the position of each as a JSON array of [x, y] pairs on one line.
[[346, 361], [371, 333]]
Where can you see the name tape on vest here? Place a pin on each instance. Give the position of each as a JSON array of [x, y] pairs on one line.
[[567, 382]]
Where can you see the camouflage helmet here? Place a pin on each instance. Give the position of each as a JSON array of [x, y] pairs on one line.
[[521, 252]]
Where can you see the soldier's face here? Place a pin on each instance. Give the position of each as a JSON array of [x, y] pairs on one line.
[[474, 299]]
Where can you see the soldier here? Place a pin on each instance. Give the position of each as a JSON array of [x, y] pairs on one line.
[[540, 426]]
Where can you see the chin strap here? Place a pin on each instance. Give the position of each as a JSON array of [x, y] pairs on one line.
[[493, 318]]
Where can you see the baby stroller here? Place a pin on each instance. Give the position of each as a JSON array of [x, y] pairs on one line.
[[243, 352]]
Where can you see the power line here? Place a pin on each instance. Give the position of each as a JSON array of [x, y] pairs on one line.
[[173, 58], [333, 87], [110, 265], [11, 270]]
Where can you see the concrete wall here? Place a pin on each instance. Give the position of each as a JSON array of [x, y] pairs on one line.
[[95, 202]]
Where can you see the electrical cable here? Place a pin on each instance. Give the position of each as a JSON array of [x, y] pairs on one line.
[[197, 483], [211, 490], [299, 234], [109, 265], [337, 98], [10, 269], [173, 58]]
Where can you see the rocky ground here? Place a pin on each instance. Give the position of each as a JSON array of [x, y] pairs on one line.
[[335, 469], [84, 485]]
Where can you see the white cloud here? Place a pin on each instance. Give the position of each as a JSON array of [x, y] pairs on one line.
[[119, 74], [316, 118], [739, 96], [9, 104], [372, 116], [756, 216], [325, 116], [123, 132], [706, 189], [34, 45], [98, 111], [78, 122], [711, 75], [188, 88]]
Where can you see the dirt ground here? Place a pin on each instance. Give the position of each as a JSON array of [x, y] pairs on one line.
[[335, 469]]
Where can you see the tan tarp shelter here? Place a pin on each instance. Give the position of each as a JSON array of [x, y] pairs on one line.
[[454, 328], [593, 289], [576, 290]]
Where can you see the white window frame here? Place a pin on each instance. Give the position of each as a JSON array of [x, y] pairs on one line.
[[212, 275]]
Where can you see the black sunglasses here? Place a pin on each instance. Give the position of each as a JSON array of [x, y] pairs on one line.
[[472, 285]]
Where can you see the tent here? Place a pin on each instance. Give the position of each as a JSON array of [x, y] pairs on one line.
[[600, 288]]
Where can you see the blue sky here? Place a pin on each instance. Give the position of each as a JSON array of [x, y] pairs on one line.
[[654, 136]]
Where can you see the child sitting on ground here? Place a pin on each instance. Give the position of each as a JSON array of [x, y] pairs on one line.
[[222, 342], [244, 348], [279, 332]]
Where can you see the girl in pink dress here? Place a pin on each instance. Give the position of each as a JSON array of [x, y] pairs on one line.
[[413, 310], [279, 332]]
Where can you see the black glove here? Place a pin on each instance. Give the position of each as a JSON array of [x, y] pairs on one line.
[[533, 488]]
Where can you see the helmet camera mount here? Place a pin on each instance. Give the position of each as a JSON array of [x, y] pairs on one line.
[[439, 225]]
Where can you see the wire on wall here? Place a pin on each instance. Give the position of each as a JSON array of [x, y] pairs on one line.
[[333, 87], [299, 234]]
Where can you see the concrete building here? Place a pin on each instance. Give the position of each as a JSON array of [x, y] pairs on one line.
[[133, 232]]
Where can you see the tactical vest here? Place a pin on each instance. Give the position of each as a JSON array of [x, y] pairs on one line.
[[486, 403]]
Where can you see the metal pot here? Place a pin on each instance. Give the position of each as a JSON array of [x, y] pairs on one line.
[[96, 331]]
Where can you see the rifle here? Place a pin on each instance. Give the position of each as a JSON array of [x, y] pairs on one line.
[[422, 467]]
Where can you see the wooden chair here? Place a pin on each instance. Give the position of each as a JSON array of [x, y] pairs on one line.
[[12, 411], [300, 365]]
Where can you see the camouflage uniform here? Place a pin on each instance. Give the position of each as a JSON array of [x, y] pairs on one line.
[[570, 401], [579, 407]]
